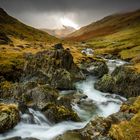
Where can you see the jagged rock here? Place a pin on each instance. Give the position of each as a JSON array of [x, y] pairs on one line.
[[124, 81], [56, 65], [9, 116], [94, 66]]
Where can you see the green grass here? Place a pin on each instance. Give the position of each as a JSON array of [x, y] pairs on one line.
[[125, 43], [14, 28]]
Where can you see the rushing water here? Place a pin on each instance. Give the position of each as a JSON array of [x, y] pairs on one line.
[[36, 124]]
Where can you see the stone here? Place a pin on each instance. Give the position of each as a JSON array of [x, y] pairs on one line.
[[9, 116], [123, 81], [56, 66]]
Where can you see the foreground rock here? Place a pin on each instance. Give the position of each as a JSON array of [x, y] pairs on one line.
[[55, 67], [40, 97], [57, 113], [9, 116], [123, 125], [124, 81]]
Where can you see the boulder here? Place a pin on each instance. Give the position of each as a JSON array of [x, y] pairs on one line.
[[9, 116], [124, 81], [94, 66], [56, 66], [57, 113], [40, 96]]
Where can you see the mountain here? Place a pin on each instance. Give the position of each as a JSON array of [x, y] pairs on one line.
[[13, 28], [117, 34], [60, 33], [107, 26]]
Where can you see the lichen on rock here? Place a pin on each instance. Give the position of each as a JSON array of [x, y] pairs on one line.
[[9, 116]]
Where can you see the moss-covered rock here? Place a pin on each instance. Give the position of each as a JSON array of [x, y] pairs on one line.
[[123, 125], [6, 89], [128, 129], [56, 65], [94, 66], [106, 84], [124, 81], [57, 113], [9, 116]]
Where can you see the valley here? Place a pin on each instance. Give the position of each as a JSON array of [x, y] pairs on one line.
[[78, 85]]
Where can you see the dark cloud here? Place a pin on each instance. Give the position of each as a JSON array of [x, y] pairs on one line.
[[34, 12]]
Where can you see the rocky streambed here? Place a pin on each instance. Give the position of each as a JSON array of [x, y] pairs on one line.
[[52, 107]]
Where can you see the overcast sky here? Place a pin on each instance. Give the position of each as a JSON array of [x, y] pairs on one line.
[[54, 13]]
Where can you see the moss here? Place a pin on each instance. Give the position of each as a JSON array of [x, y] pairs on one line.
[[128, 130], [134, 108], [61, 113], [106, 83], [9, 116], [8, 107]]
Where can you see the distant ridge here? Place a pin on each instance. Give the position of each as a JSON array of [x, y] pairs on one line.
[[14, 28], [106, 26]]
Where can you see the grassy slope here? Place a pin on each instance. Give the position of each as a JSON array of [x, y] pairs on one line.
[[116, 34], [106, 26], [14, 28], [23, 38]]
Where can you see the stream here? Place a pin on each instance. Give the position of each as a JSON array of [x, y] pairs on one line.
[[42, 129]]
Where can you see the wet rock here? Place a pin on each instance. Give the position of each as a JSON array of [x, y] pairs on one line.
[[9, 116], [94, 66], [40, 96], [56, 66], [57, 113], [105, 84], [124, 81], [106, 128], [20, 105]]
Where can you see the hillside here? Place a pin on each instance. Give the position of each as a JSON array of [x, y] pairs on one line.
[[60, 33], [117, 34], [108, 25], [17, 40], [14, 29]]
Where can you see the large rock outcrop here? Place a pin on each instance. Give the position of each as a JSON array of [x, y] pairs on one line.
[[124, 81], [55, 67], [9, 116]]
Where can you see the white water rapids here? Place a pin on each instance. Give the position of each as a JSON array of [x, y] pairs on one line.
[[44, 130]]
